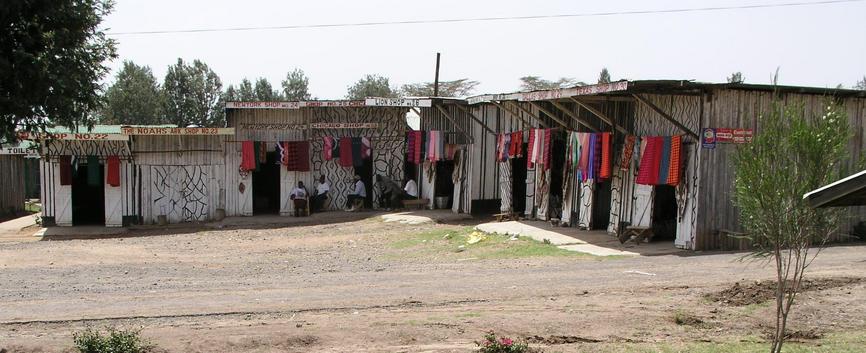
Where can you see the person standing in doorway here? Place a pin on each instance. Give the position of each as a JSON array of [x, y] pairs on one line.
[[359, 193], [299, 196], [322, 190]]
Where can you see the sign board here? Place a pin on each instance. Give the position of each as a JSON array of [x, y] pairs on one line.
[[317, 104], [263, 105], [344, 125], [743, 135], [181, 131], [398, 102], [267, 126], [72, 136], [708, 138], [27, 152], [575, 91], [724, 135]]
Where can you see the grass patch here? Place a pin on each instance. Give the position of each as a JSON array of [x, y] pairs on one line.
[[447, 242], [32, 207], [839, 342]]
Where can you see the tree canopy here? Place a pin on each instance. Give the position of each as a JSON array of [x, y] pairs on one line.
[[736, 77], [193, 93], [52, 56], [371, 86], [265, 92], [861, 84], [604, 76], [134, 98], [296, 86], [457, 88], [535, 83]]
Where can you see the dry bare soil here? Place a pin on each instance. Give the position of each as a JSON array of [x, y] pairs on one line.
[[363, 285]]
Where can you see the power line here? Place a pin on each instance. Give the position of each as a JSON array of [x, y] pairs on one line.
[[488, 19]]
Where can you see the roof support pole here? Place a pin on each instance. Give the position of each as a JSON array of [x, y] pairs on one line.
[[528, 112], [665, 115], [572, 115], [552, 116], [451, 119], [599, 114], [512, 113], [477, 120]]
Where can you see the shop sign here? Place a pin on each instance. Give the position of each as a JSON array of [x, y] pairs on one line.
[[263, 105], [27, 152], [273, 126], [344, 125], [71, 136], [184, 131], [743, 135], [398, 102], [724, 135], [708, 138]]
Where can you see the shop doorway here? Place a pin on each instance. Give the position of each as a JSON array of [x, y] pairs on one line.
[[518, 183], [266, 186], [88, 195], [664, 214], [557, 164], [445, 181], [601, 205], [365, 171]]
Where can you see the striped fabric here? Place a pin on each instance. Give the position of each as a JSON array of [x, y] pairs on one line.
[[660, 161]]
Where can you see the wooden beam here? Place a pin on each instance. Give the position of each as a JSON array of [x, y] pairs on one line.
[[665, 115], [551, 115], [448, 116], [477, 120], [509, 111], [529, 112], [576, 118], [600, 115]]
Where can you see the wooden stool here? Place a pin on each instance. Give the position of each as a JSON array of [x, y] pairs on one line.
[[639, 234]]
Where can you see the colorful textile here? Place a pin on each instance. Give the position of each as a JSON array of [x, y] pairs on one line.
[[530, 149], [664, 161], [627, 151], [661, 160], [414, 146], [590, 156], [328, 148], [515, 148], [435, 145], [503, 146], [651, 155], [596, 148], [584, 164], [94, 177], [65, 170], [605, 156], [283, 152], [547, 144], [112, 164], [297, 156], [366, 148], [451, 150], [676, 165], [346, 152], [248, 156]]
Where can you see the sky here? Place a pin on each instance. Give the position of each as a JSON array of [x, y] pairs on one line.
[[819, 45]]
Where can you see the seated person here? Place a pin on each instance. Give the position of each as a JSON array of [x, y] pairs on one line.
[[390, 191], [410, 191], [299, 196], [359, 193], [321, 195]]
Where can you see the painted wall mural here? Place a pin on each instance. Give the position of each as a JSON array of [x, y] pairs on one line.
[[181, 193]]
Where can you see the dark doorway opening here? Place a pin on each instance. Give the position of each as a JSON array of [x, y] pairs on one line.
[[365, 171], [664, 219], [518, 183], [88, 198], [444, 180], [266, 186], [557, 156], [601, 205]]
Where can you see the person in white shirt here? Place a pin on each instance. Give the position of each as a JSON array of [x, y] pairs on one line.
[[360, 192], [299, 196], [322, 190], [410, 191]]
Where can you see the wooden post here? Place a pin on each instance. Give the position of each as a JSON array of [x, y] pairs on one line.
[[572, 115], [451, 119], [553, 116], [436, 79], [600, 115], [527, 111], [665, 115]]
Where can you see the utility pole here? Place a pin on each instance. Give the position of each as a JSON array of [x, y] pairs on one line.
[[436, 80]]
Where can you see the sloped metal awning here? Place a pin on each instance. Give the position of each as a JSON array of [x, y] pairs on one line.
[[850, 191]]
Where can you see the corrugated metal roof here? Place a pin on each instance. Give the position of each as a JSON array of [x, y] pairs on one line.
[[850, 191]]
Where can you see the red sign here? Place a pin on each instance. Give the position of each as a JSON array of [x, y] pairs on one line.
[[743, 135], [724, 135]]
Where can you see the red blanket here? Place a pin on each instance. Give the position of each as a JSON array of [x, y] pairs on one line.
[[346, 152], [113, 173]]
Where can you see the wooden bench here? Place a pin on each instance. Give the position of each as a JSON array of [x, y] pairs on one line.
[[420, 203], [638, 233], [508, 216]]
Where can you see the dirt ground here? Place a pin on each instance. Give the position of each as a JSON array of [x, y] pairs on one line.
[[368, 286]]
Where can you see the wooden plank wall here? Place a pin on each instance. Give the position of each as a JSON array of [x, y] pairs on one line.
[[11, 184]]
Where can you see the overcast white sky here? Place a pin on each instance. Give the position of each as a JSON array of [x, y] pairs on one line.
[[821, 45]]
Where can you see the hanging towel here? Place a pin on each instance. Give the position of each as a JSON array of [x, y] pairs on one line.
[[94, 177], [327, 148], [357, 152], [113, 173], [627, 151], [530, 149], [248, 156], [435, 145], [676, 160], [664, 161], [605, 156], [65, 170], [346, 152]]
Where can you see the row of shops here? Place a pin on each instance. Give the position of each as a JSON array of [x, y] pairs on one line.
[[630, 153]]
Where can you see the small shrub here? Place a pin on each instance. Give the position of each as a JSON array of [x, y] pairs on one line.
[[114, 341], [492, 344]]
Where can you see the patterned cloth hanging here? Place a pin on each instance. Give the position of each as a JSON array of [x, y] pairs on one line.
[[248, 156], [451, 150], [515, 149], [296, 156], [435, 145], [503, 145], [112, 166], [414, 146], [346, 152], [530, 149], [328, 144], [605, 156], [627, 152], [661, 160], [676, 168]]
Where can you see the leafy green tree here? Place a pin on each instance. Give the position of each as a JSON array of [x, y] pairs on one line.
[[246, 93], [604, 76], [457, 88], [265, 92], [736, 77], [134, 98], [535, 83], [296, 86], [371, 86], [861, 85], [52, 56], [231, 94], [793, 153], [193, 93]]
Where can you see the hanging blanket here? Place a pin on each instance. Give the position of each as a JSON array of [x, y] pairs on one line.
[[94, 177], [605, 156], [248, 156], [651, 155], [328, 148], [297, 156], [113, 174], [65, 170], [676, 163], [515, 149], [546, 148], [627, 151], [346, 152], [366, 148], [530, 150]]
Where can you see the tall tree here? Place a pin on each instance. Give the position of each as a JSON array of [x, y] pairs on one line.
[[736, 77], [457, 88], [861, 84], [193, 94], [371, 86], [604, 76], [134, 98], [52, 56], [246, 93], [231, 94], [794, 152], [265, 92], [535, 83], [296, 86]]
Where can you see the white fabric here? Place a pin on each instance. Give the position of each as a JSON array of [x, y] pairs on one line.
[[359, 189], [298, 193], [322, 188], [411, 188]]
